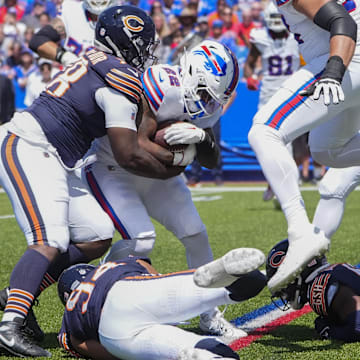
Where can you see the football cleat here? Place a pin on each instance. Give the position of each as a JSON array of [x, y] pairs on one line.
[[214, 323], [199, 354], [14, 340], [31, 327], [224, 271], [302, 249]]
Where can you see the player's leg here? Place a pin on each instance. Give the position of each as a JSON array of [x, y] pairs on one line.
[[39, 196], [91, 231], [334, 189], [286, 116], [169, 202], [114, 189]]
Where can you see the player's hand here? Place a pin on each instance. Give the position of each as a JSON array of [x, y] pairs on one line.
[[326, 87], [322, 326], [184, 133], [252, 83]]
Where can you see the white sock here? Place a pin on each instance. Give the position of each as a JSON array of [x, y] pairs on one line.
[[280, 171], [328, 215]]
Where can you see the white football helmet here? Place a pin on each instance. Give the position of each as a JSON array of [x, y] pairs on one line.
[[210, 74], [273, 19], [97, 6]]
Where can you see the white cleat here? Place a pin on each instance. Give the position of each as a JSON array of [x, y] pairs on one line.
[[224, 271], [199, 354], [215, 324], [302, 249]]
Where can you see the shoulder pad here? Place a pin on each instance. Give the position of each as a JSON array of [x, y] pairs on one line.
[[259, 36], [116, 74], [163, 91], [282, 2]]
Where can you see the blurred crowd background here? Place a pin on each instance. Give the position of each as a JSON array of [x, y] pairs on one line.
[[179, 23]]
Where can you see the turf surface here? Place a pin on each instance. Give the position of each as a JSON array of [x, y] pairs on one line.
[[236, 219]]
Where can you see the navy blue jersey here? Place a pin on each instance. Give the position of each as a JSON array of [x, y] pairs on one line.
[[322, 289], [83, 308], [67, 110]]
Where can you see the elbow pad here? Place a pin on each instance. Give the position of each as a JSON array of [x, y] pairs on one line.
[[334, 18], [47, 33]]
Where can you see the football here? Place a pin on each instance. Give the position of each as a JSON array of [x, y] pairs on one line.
[[184, 154]]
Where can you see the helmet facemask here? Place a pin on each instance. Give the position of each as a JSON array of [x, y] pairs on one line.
[[97, 6]]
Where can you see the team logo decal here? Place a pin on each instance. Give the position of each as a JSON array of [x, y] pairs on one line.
[[213, 62], [277, 258], [133, 23]]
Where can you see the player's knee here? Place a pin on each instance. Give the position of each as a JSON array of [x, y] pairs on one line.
[[217, 348], [260, 134], [143, 246], [247, 286], [94, 249], [331, 189]]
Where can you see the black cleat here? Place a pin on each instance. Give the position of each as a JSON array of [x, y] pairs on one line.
[[31, 327], [14, 340]]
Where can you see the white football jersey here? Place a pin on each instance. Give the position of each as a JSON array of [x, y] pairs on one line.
[[313, 40], [80, 30], [163, 91], [280, 59]]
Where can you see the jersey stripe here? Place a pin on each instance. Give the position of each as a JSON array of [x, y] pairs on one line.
[[124, 82], [122, 73], [289, 105], [150, 93], [281, 2], [154, 85], [122, 89]]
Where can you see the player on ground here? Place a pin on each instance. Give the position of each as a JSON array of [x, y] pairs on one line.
[[322, 97], [332, 290], [195, 93], [280, 58], [81, 103], [75, 24], [121, 309]]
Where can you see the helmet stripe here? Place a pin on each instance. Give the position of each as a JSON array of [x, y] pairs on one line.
[[212, 58], [235, 78]]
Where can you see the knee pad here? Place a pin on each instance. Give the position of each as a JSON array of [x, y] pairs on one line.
[[247, 286], [332, 189], [217, 348], [260, 133]]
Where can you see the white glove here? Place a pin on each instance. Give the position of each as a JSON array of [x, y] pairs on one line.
[[68, 58], [326, 86], [184, 133]]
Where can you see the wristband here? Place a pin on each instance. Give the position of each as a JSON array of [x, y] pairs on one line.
[[335, 69], [60, 51]]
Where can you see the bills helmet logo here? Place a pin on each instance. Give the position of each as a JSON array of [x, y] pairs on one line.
[[213, 62]]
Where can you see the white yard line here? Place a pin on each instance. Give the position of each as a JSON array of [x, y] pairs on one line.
[[6, 217]]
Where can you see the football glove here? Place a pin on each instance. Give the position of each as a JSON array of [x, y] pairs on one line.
[[329, 83], [252, 83], [327, 87], [65, 57], [322, 326], [184, 133]]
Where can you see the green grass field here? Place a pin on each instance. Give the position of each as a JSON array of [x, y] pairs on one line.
[[236, 219]]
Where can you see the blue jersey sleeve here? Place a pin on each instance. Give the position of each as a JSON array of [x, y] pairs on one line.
[[64, 341]]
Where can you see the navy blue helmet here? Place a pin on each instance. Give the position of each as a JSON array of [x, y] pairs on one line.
[[127, 32], [295, 294], [70, 278]]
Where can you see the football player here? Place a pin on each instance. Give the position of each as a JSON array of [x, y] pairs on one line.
[[332, 290], [122, 309], [75, 24], [321, 97], [41, 147], [280, 58], [194, 92]]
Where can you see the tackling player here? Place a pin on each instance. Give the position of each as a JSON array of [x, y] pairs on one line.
[[121, 309], [323, 98], [75, 24], [194, 92], [41, 147], [280, 58], [332, 290]]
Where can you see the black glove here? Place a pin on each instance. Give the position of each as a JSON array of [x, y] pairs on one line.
[[329, 82], [322, 326]]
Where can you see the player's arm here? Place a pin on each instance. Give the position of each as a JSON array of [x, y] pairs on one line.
[[91, 349], [330, 15], [346, 306], [120, 124], [46, 43], [146, 132], [252, 82]]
